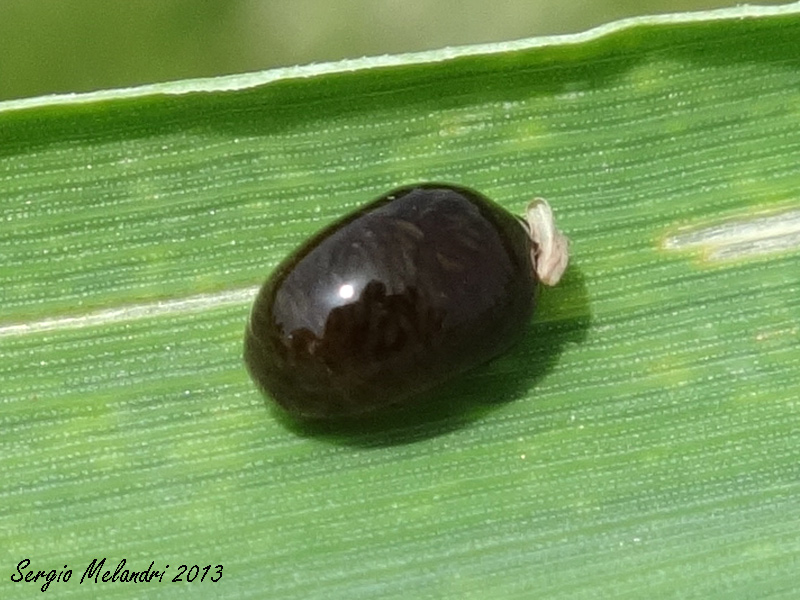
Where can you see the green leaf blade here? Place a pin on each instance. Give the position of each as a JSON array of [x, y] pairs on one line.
[[644, 436]]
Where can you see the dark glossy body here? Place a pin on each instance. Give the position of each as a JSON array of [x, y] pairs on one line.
[[412, 289]]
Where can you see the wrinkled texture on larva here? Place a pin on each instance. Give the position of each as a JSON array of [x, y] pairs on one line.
[[418, 286]]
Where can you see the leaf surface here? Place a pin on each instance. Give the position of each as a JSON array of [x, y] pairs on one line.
[[644, 436]]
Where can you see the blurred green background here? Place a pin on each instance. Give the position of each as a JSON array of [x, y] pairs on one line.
[[49, 46]]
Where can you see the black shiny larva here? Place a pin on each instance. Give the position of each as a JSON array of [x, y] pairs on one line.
[[419, 285]]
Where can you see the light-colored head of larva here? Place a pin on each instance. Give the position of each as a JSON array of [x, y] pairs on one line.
[[550, 248]]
